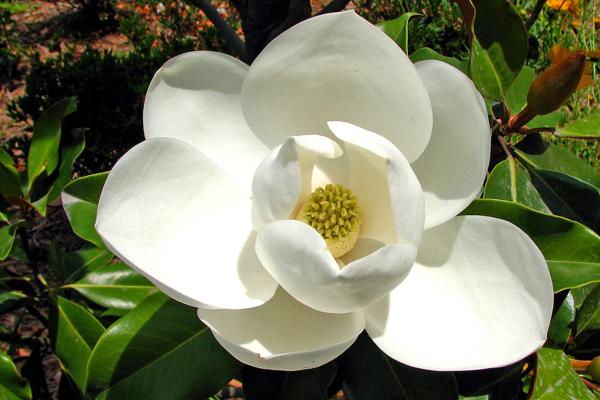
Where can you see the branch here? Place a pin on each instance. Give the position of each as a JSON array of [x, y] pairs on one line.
[[225, 30], [334, 6], [535, 13]]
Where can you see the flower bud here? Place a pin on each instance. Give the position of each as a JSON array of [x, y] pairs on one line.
[[554, 86], [594, 369]]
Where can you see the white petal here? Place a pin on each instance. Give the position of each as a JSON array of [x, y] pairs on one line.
[[453, 167], [388, 192], [297, 257], [173, 215], [479, 296], [337, 67], [283, 334], [195, 97], [284, 177]]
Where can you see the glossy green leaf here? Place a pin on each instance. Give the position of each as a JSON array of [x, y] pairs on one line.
[[12, 385], [114, 286], [563, 242], [74, 332], [516, 98], [369, 374], [550, 157], [70, 148], [7, 239], [556, 380], [397, 29], [159, 350], [69, 267], [311, 384], [568, 196], [44, 148], [499, 47], [80, 201], [588, 126], [573, 274], [588, 317], [509, 180], [580, 293], [486, 397], [425, 53], [562, 323], [9, 296], [9, 177]]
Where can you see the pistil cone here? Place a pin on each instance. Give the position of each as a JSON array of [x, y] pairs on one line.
[[551, 89]]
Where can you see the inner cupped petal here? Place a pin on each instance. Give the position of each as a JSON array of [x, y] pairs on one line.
[[283, 178]]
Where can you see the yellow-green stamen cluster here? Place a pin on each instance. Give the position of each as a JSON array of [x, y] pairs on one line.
[[333, 212]]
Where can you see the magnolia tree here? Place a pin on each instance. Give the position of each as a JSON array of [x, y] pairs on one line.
[[327, 218]]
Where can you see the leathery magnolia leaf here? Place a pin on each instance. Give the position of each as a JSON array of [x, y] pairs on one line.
[[425, 53], [568, 196], [69, 267], [588, 317], [159, 350], [368, 374], [7, 239], [516, 98], [562, 323], [509, 180], [499, 47], [397, 29], [566, 245], [280, 385], [12, 385], [9, 177], [80, 201], [76, 332], [114, 286], [8, 297], [556, 380], [550, 157], [44, 149], [588, 126], [580, 293]]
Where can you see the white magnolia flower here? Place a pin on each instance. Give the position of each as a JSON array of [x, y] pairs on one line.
[[208, 207]]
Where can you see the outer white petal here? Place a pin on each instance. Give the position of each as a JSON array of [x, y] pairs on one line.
[[297, 257], [479, 296], [173, 215], [283, 334], [388, 192], [284, 177], [195, 97], [453, 167], [337, 67]]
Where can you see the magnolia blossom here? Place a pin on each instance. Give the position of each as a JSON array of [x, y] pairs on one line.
[[220, 206]]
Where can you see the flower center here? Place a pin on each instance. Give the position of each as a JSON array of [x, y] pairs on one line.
[[333, 212]]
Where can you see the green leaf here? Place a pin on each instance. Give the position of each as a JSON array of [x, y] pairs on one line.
[[580, 293], [509, 180], [516, 98], [556, 380], [425, 53], [12, 385], [568, 196], [588, 127], [69, 267], [369, 374], [562, 323], [159, 350], [44, 149], [550, 157], [114, 286], [499, 47], [7, 238], [9, 177], [9, 296], [80, 201], [562, 242], [280, 385], [70, 149], [74, 332], [588, 317], [573, 274], [397, 29]]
